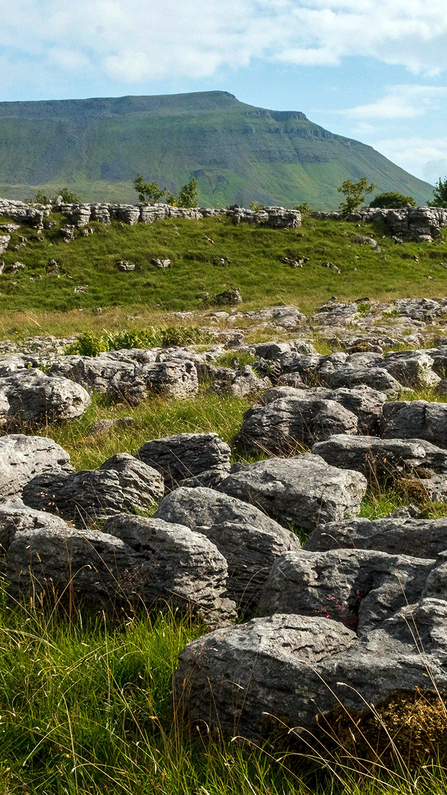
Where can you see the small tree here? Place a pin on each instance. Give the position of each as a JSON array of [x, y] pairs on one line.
[[385, 200], [68, 197], [354, 192], [256, 207], [440, 194], [148, 191], [41, 198], [189, 194]]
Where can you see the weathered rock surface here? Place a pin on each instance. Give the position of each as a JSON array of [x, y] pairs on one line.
[[364, 402], [296, 667], [24, 457], [201, 459], [301, 491], [135, 561], [425, 538], [285, 424], [129, 375], [181, 566], [416, 419], [30, 396], [360, 588], [248, 539], [240, 383], [411, 368], [381, 458], [16, 517], [123, 483]]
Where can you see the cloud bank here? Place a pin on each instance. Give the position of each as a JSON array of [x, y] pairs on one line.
[[138, 40]]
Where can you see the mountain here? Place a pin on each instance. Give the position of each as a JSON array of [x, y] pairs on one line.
[[237, 152]]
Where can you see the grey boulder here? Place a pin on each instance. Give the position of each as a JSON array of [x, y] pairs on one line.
[[193, 459], [425, 538], [301, 491], [135, 561], [286, 424], [248, 539], [180, 566], [121, 484], [360, 588], [24, 457], [30, 396], [381, 458], [294, 668], [416, 419]]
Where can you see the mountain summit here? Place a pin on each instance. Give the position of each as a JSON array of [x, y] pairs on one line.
[[237, 152]]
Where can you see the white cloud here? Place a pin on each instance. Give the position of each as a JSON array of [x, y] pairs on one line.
[[424, 157], [140, 40], [401, 102]]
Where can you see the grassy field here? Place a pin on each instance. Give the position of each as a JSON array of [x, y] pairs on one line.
[[86, 704], [36, 301]]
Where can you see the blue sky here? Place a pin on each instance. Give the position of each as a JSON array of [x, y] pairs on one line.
[[375, 71]]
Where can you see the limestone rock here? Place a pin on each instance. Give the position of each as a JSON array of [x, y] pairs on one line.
[[248, 539], [121, 484], [296, 667], [30, 396], [405, 535], [178, 566], [202, 459], [416, 419], [301, 491], [24, 457], [360, 588], [381, 458], [283, 425]]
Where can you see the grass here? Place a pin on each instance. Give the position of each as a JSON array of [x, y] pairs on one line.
[[40, 302], [86, 704]]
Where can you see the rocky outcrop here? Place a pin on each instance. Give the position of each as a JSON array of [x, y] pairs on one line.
[[135, 561], [24, 457], [121, 484], [415, 223], [382, 459], [79, 215], [248, 539], [192, 459], [424, 538], [119, 374], [360, 588], [31, 397], [300, 492]]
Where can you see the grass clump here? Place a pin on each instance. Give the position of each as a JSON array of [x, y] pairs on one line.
[[93, 344]]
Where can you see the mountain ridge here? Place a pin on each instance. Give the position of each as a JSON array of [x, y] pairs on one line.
[[238, 152]]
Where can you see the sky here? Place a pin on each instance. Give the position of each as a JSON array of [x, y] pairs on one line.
[[374, 70]]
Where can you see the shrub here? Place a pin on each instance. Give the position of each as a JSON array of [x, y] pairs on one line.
[[148, 191], [303, 208], [392, 200], [256, 207], [354, 193], [189, 194], [68, 197], [440, 194], [150, 337]]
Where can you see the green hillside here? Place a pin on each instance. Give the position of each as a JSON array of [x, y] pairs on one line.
[[238, 153]]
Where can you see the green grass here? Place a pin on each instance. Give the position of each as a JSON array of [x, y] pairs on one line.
[[193, 280]]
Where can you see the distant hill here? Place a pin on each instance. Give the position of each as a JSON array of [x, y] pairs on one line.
[[237, 152]]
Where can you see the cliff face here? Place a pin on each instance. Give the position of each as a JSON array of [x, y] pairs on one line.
[[237, 152]]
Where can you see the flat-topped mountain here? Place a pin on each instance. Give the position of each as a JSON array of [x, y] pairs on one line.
[[237, 152]]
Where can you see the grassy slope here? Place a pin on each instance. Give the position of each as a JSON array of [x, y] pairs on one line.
[[194, 278], [238, 152], [86, 702]]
